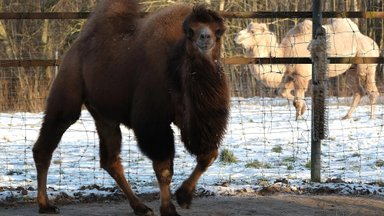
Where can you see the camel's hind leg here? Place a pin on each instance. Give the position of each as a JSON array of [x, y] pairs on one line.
[[62, 111], [110, 147], [370, 84], [185, 192], [358, 92]]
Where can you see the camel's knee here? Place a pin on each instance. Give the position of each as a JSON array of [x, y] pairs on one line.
[[300, 107], [372, 92], [285, 88], [206, 160], [373, 95], [51, 132], [110, 164], [114, 168], [297, 103], [286, 93], [164, 175], [41, 157]]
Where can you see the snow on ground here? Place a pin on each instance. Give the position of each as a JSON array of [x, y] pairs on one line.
[[268, 143]]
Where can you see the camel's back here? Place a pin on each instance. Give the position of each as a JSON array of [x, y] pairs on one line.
[[163, 28], [367, 47], [342, 34], [110, 18], [117, 68], [295, 43]]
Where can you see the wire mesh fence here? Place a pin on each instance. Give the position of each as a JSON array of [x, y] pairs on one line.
[[264, 142]]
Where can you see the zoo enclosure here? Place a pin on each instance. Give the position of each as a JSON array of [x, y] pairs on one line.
[[238, 104]]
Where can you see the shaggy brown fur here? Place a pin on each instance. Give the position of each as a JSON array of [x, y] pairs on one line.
[[145, 74]]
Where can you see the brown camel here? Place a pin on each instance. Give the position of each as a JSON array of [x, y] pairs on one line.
[[145, 74]]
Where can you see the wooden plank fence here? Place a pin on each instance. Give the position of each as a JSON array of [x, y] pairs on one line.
[[228, 15], [230, 61]]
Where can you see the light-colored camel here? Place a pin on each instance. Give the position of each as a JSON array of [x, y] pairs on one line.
[[344, 40], [258, 41]]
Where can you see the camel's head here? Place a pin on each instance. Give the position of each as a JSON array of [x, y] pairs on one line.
[[257, 39], [203, 29]]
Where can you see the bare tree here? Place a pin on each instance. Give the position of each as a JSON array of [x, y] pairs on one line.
[[41, 39]]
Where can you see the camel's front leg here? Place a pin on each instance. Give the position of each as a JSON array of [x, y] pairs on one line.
[[356, 100], [185, 192], [157, 142], [358, 92], [164, 173], [370, 85], [285, 88], [301, 85]]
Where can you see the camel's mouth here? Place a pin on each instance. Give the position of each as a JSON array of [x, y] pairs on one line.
[[242, 40], [204, 46], [205, 40], [238, 39]]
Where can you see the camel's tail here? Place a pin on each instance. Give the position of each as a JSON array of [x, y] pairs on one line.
[[113, 17]]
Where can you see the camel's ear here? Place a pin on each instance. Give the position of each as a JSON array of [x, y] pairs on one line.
[[188, 31], [263, 27], [259, 27]]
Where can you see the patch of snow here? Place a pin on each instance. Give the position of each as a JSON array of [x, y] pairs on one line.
[[262, 130]]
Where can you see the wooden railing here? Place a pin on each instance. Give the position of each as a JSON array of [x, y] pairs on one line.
[[228, 15]]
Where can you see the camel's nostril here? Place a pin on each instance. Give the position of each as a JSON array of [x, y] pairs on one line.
[[205, 36]]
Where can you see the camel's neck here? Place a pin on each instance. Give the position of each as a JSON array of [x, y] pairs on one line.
[[266, 47], [278, 52], [266, 51], [205, 98], [269, 74]]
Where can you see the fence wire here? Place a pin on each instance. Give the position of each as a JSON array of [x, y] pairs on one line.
[[264, 141]]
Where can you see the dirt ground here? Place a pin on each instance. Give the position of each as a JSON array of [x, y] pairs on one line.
[[283, 204]]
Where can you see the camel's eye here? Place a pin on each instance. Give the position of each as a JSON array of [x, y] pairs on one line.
[[190, 33], [252, 31], [219, 33]]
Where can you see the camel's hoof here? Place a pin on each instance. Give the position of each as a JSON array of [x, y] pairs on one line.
[[169, 211], [346, 117], [144, 211], [50, 209], [175, 214], [184, 198]]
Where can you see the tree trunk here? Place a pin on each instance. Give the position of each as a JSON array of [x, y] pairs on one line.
[[341, 5], [363, 22]]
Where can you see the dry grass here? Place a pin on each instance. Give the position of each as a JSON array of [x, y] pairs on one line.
[[26, 89]]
